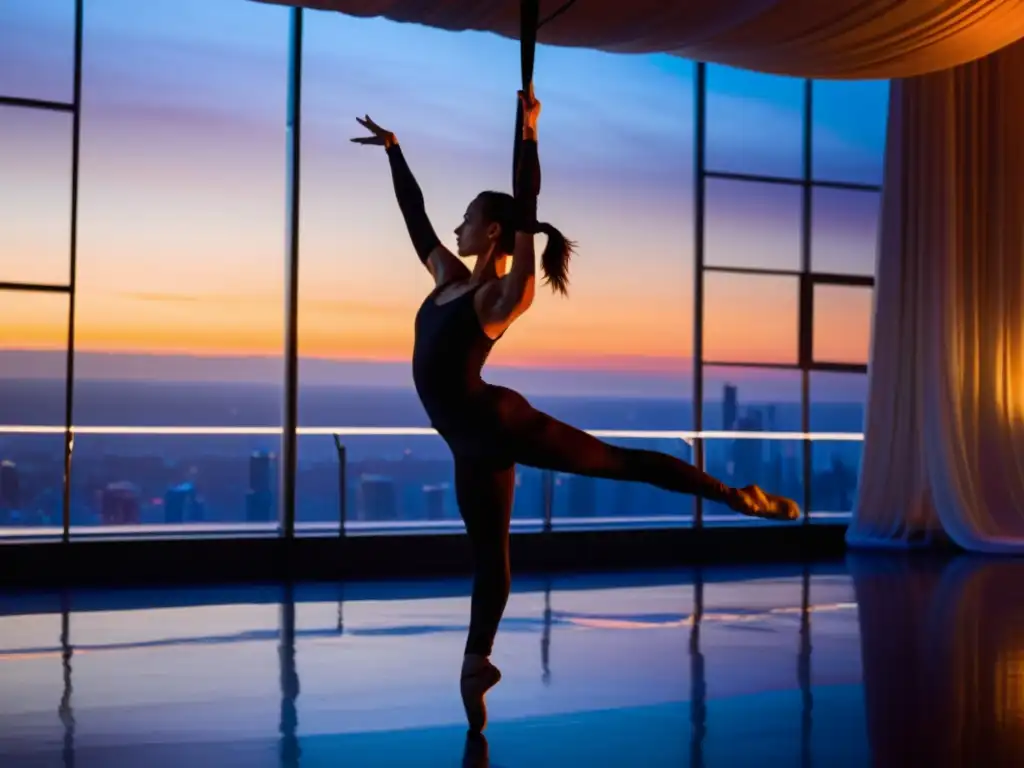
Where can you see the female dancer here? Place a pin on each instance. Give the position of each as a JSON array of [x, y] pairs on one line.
[[490, 429]]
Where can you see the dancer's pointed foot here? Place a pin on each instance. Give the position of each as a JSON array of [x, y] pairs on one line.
[[754, 502], [478, 677]]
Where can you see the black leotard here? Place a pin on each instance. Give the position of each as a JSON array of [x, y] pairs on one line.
[[449, 354], [450, 345]]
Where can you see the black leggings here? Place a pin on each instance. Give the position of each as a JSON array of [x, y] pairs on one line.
[[484, 489]]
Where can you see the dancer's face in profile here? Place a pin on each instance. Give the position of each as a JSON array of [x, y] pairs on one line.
[[476, 235]]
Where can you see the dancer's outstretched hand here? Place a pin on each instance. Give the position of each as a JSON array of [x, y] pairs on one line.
[[379, 136]]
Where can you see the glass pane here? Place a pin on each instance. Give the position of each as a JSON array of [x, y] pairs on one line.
[[848, 130], [394, 484], [750, 318], [751, 400], [185, 142], [838, 401], [776, 465], [35, 165], [844, 231], [33, 361], [37, 49], [586, 502], [752, 225], [738, 99], [842, 324], [140, 483]]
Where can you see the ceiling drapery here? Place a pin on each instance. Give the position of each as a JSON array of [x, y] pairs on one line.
[[838, 39]]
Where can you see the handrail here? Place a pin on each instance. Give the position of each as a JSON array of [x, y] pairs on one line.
[[637, 434]]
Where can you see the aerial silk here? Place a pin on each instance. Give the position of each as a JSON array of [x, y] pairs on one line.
[[529, 21]]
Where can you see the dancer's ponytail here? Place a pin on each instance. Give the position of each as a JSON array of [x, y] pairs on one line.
[[555, 259]]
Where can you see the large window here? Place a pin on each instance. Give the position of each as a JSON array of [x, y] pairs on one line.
[[169, 254], [787, 267], [180, 298]]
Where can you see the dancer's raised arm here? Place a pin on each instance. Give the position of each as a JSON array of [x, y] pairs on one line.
[[441, 262]]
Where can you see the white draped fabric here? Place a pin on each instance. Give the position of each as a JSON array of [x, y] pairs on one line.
[[944, 438], [806, 38]]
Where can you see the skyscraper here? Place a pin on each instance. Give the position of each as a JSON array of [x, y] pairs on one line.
[[378, 500], [259, 501], [730, 406], [433, 497], [181, 504]]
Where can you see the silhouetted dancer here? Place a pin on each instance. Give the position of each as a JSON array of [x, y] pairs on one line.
[[488, 428]]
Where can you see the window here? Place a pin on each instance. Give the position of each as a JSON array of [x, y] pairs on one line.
[[35, 164], [33, 361], [842, 324], [844, 231], [737, 100], [37, 49], [180, 291], [848, 121], [750, 319], [837, 407], [752, 225]]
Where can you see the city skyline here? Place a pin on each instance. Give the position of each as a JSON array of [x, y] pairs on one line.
[[182, 204]]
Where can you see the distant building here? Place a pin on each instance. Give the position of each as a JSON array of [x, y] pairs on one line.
[[378, 501], [433, 498], [259, 500], [730, 406], [119, 504], [181, 504]]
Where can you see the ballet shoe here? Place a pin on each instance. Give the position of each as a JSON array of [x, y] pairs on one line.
[[474, 685], [754, 502]]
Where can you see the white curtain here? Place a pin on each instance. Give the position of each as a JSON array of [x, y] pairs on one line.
[[944, 433], [806, 38]]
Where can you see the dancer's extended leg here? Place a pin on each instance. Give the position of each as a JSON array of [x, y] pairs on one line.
[[485, 496], [546, 443]]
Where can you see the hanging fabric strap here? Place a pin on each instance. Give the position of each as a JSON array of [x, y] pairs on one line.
[[529, 19]]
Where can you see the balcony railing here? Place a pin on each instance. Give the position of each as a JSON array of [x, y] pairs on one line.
[[222, 481]]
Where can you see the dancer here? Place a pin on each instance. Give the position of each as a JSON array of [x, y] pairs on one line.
[[488, 428]]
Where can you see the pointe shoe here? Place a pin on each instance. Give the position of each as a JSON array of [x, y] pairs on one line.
[[474, 686], [754, 502]]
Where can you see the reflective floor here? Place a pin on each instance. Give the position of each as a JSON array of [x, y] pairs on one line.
[[885, 661]]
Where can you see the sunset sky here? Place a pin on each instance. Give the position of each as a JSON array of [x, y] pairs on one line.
[[181, 227]]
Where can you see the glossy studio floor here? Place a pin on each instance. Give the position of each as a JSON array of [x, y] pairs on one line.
[[878, 660]]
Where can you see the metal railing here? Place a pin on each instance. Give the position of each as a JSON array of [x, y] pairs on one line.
[[344, 525]]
